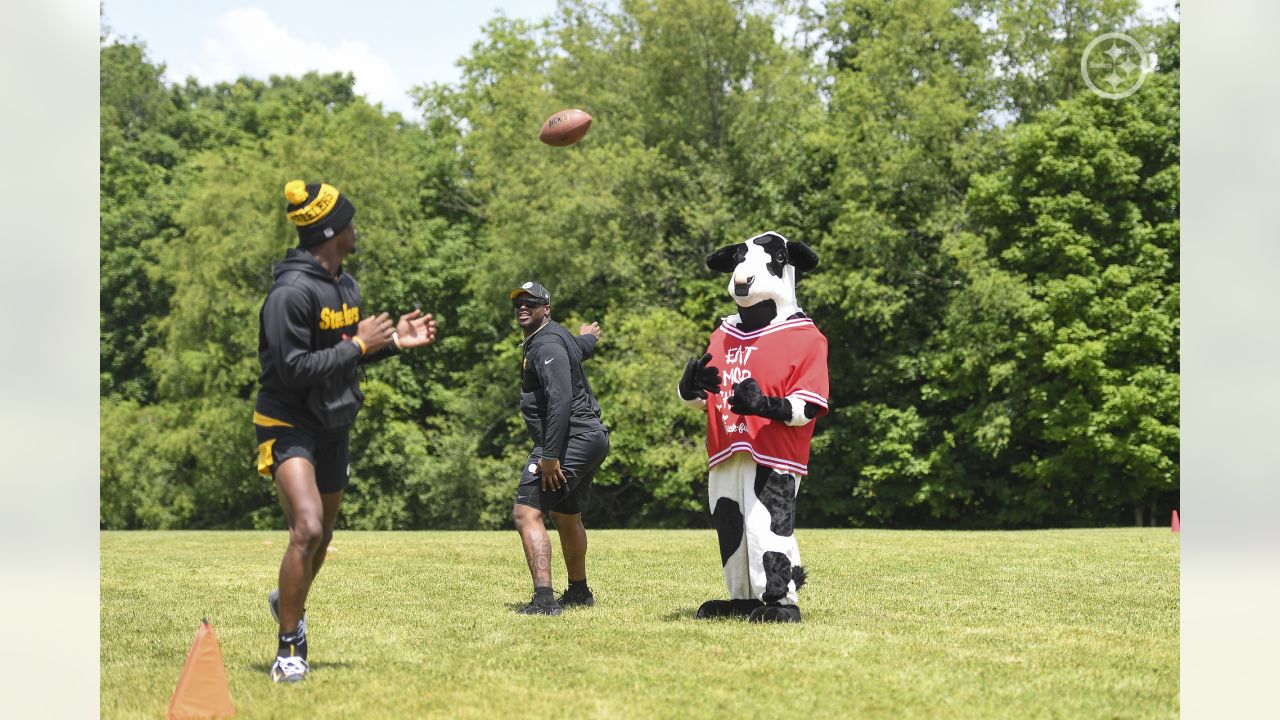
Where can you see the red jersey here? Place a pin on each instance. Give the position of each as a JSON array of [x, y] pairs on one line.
[[787, 359]]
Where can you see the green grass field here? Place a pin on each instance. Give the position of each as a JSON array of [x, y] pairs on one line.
[[1062, 623]]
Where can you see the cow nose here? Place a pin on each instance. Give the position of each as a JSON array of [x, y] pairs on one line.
[[742, 287]]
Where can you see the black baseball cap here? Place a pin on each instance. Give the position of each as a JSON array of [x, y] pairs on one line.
[[531, 289]]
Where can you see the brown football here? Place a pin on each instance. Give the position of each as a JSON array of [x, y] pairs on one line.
[[565, 127]]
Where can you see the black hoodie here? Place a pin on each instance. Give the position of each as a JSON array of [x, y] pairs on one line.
[[555, 396], [309, 365]]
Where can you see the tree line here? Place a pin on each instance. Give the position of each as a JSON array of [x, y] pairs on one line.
[[998, 279]]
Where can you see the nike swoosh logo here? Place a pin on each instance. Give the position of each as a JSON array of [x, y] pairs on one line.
[[547, 362]]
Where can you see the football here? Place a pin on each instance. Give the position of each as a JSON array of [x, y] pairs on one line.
[[565, 127]]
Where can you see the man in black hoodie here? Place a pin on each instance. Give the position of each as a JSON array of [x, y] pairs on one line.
[[570, 442], [312, 337]]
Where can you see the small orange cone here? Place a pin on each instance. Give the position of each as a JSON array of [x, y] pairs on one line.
[[1177, 526], [202, 690]]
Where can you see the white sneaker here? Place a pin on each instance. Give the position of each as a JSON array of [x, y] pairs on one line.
[[289, 669]]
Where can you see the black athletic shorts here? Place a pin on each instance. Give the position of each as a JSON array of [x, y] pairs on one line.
[[581, 460], [329, 455]]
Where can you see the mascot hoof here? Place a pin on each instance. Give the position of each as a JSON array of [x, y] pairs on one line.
[[775, 613], [728, 608]]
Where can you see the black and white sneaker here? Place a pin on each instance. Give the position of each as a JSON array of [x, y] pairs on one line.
[[534, 608], [289, 670], [273, 602], [577, 596]]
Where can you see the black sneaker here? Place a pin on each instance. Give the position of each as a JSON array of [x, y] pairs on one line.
[[534, 608], [289, 670], [577, 596]]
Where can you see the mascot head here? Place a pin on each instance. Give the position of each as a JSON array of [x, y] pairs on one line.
[[763, 268]]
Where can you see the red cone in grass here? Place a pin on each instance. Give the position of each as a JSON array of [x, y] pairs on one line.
[[202, 690], [1177, 526]]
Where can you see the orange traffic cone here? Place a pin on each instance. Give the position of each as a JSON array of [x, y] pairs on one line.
[[1177, 526], [202, 690]]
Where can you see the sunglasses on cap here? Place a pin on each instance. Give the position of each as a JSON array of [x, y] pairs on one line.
[[527, 302]]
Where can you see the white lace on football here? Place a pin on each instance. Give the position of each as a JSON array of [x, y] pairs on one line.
[[291, 665]]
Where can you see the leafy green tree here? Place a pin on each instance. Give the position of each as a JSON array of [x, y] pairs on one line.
[[137, 162], [1059, 357], [1041, 43], [905, 130]]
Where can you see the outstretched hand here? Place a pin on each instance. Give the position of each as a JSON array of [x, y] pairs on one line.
[[415, 329], [699, 378], [592, 329]]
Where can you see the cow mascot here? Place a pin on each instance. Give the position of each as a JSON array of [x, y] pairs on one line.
[[762, 383]]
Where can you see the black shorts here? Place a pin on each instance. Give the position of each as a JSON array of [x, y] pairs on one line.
[[328, 454], [582, 458]]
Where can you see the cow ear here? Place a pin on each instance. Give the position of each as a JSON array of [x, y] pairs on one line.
[[801, 256], [725, 259]]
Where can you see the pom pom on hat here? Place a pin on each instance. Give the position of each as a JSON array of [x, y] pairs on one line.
[[295, 191]]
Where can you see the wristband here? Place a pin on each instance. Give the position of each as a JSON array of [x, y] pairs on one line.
[[360, 344], [395, 338]]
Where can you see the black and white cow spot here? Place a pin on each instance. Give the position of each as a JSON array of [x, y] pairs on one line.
[[777, 574], [777, 492], [727, 518], [776, 247]]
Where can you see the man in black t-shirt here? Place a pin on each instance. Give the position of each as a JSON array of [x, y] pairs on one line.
[[570, 443]]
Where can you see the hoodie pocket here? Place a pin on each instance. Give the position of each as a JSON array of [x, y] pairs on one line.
[[336, 402]]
